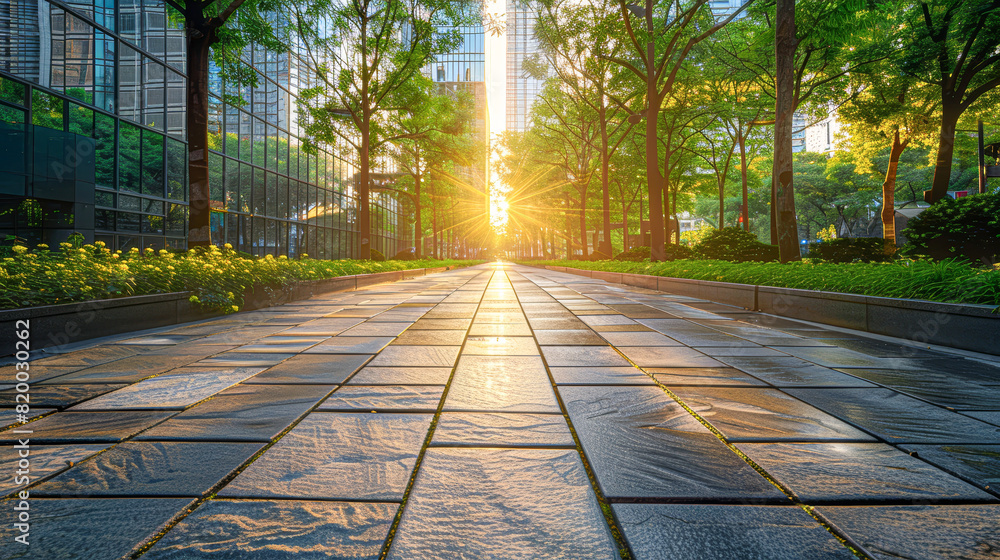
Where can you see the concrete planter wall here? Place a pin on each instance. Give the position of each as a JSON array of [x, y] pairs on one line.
[[965, 326], [57, 325]]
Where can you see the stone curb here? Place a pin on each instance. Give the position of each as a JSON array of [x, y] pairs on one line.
[[965, 326]]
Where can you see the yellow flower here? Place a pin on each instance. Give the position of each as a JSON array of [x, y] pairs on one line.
[[19, 249], [116, 255], [228, 246], [164, 252], [44, 247], [234, 308], [98, 244], [194, 299], [169, 267]]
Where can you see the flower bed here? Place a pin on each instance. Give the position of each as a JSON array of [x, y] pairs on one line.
[[217, 278], [943, 281]]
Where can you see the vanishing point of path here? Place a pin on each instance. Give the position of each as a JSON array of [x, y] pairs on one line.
[[506, 412]]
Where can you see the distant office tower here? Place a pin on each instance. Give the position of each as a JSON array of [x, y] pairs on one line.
[[465, 68], [522, 89]]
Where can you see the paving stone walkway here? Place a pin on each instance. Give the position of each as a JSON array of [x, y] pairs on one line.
[[507, 412]]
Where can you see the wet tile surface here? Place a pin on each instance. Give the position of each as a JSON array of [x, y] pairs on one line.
[[921, 532], [58, 396], [337, 456], [501, 504], [725, 532], [278, 529], [765, 415], [384, 398], [489, 429], [830, 472], [151, 469], [45, 461], [79, 529], [642, 444], [503, 474], [90, 427]]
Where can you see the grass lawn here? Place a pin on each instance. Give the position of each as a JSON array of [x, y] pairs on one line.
[[945, 281]]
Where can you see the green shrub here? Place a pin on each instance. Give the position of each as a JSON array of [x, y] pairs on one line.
[[377, 256], [735, 245], [635, 254], [848, 250], [598, 256], [405, 255], [677, 252], [967, 228]]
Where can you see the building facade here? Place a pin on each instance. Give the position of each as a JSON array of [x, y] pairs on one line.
[[522, 88], [92, 118]]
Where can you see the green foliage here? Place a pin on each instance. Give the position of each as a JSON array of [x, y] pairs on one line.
[[377, 255], [851, 249], [405, 255], [635, 254], [217, 278], [734, 244], [966, 228], [947, 281]]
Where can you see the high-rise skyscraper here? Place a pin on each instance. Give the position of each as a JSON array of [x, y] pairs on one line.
[[522, 89]]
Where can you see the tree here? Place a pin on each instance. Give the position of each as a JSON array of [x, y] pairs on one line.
[[954, 45], [220, 30], [578, 47], [433, 127], [661, 46], [891, 109], [364, 53]]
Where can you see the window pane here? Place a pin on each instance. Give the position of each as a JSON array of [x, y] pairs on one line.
[[129, 176], [104, 132], [81, 120], [11, 91], [176, 170], [152, 164], [46, 110]]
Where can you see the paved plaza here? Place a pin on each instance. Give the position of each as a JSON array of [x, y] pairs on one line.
[[506, 412]]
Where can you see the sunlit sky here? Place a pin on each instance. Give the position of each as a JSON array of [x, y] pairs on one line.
[[496, 99]]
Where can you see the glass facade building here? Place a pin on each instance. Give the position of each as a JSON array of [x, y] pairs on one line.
[[92, 119], [522, 89]]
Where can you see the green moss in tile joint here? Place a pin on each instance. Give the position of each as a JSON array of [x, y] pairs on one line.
[[848, 544]]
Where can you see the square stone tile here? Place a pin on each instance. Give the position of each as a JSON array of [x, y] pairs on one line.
[[248, 529], [718, 377], [163, 339], [988, 416], [569, 337], [924, 532], [490, 429], [375, 328], [501, 384], [337, 456], [401, 376], [501, 504], [175, 390], [641, 444], [243, 335], [602, 320], [10, 417], [129, 370], [90, 356], [46, 461], [500, 346], [151, 469], [243, 413], [500, 329], [79, 529], [834, 357], [666, 357], [430, 338], [503, 317], [351, 345], [638, 339], [282, 344], [759, 414], [793, 372], [244, 359], [546, 323], [58, 396], [883, 349], [36, 373], [442, 324], [623, 328], [384, 398], [590, 356], [323, 327], [856, 473], [740, 351], [321, 369], [417, 356], [88, 427], [977, 464], [898, 418], [941, 387], [600, 375], [725, 532]]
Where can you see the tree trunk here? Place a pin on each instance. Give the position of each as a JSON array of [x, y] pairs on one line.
[[668, 223], [653, 178], [946, 150], [889, 194], [364, 182], [199, 206], [624, 225], [745, 210], [605, 247], [784, 194], [418, 228], [722, 203], [583, 226], [434, 222]]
